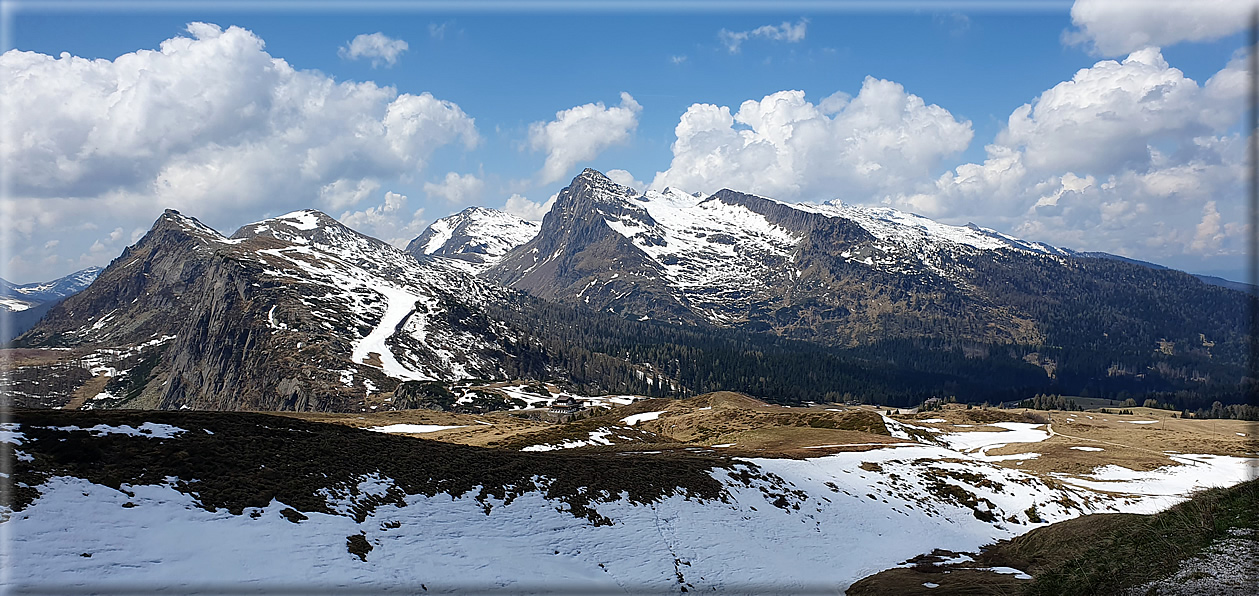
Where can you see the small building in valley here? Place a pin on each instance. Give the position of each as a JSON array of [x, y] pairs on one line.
[[565, 404]]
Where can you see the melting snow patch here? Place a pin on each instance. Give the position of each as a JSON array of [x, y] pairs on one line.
[[725, 445], [411, 428], [930, 585], [399, 304], [9, 433], [645, 416], [1141, 421], [1088, 449], [1010, 571], [933, 420], [597, 437], [1171, 483], [148, 429]]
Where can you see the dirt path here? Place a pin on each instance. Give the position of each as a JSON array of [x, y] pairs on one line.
[[86, 391]]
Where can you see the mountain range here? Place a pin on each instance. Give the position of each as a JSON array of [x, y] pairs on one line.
[[656, 293], [21, 306]]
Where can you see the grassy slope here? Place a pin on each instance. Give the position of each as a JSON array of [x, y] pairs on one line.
[[1099, 554], [1108, 558]]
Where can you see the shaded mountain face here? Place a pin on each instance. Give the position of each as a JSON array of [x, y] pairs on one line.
[[852, 276], [474, 239], [296, 312]]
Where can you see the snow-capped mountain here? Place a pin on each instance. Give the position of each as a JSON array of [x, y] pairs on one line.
[[21, 306], [301, 312], [16, 298], [294, 312], [841, 274], [474, 239]]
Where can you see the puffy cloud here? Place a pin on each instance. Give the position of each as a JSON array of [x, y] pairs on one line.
[[346, 193], [785, 32], [1209, 232], [581, 133], [526, 209], [1117, 27], [380, 48], [1121, 158], [1107, 115], [388, 221], [210, 124], [456, 188], [784, 146], [625, 178]]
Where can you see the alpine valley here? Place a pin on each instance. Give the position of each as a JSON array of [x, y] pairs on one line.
[[654, 392]]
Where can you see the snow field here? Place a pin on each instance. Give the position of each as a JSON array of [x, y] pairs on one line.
[[781, 529]]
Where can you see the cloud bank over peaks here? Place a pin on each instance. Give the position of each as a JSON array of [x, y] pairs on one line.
[[1118, 27], [1122, 157], [388, 221], [580, 133], [210, 124], [456, 188], [879, 142]]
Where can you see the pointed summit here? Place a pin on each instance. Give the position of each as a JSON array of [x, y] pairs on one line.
[[474, 239], [173, 221]]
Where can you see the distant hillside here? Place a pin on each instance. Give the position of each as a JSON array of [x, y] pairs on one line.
[[21, 306]]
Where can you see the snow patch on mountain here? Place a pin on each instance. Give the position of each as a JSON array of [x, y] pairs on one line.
[[400, 304]]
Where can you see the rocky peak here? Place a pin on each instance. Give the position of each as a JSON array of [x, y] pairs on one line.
[[473, 239], [173, 222]]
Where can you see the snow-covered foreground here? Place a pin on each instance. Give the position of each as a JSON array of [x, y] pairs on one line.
[[793, 525]]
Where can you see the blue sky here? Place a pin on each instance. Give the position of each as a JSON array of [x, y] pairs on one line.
[[508, 72]]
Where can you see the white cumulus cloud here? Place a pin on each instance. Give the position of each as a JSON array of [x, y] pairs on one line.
[[378, 47], [788, 32], [624, 178], [345, 193], [456, 188], [1121, 158], [388, 221], [581, 133], [526, 209], [210, 124], [1118, 27], [784, 146]]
